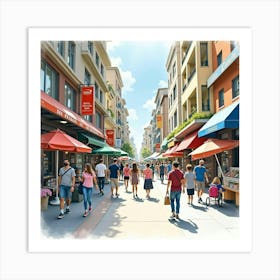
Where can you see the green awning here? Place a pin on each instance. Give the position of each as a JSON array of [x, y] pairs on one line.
[[164, 143], [90, 140]]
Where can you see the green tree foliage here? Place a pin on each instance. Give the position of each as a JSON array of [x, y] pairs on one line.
[[128, 148], [145, 153]]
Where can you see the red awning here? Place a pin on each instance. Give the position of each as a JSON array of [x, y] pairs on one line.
[[192, 141], [212, 147], [173, 152], [57, 140], [52, 105]]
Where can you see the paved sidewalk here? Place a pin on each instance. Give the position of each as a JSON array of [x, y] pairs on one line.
[[129, 218]]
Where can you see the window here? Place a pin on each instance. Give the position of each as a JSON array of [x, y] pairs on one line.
[[205, 98], [87, 77], [203, 54], [49, 80], [174, 69], [97, 60], [221, 98], [88, 118], [60, 48], [101, 96], [90, 47], [175, 119], [102, 70], [98, 120], [70, 97], [71, 55], [174, 92], [96, 90], [219, 58], [235, 87]]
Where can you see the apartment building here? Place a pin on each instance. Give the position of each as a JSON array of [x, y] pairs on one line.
[[161, 115], [118, 106], [173, 67], [147, 138], [67, 66]]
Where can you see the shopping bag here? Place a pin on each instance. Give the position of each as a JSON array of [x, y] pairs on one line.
[[167, 200]]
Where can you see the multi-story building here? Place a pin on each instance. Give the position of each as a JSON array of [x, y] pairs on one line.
[[161, 112], [117, 107], [147, 138], [173, 67]]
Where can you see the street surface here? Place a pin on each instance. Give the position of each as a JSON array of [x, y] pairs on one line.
[[127, 218]]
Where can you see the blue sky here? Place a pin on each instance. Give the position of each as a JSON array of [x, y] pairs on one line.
[[142, 67]]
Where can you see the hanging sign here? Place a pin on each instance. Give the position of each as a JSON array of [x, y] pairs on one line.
[[159, 121], [110, 137], [87, 100]]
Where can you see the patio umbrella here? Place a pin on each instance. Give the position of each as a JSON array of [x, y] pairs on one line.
[[57, 140], [107, 150], [123, 153], [213, 147]]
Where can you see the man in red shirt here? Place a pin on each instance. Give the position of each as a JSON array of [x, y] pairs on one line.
[[176, 182]]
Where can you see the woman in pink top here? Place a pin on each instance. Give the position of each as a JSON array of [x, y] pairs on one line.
[[126, 173], [148, 182], [88, 178]]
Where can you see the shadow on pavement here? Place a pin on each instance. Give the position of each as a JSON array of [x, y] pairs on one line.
[[186, 225], [152, 199], [200, 207]]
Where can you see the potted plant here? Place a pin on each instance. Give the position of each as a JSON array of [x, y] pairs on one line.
[[45, 193]]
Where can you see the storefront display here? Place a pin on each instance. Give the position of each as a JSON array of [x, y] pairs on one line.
[[231, 185]]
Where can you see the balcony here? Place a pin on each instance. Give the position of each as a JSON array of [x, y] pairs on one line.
[[192, 73], [184, 87]]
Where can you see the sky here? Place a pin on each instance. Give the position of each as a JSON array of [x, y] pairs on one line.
[[142, 68]]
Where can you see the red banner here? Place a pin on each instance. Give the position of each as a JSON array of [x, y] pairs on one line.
[[110, 137], [87, 100]]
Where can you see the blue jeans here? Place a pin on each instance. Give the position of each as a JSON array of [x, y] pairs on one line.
[[101, 182], [87, 193], [175, 196]]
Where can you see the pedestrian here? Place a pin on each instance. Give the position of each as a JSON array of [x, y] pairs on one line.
[[153, 171], [126, 173], [161, 172], [200, 177], [134, 172], [169, 167], [114, 177], [66, 183], [190, 182], [88, 178], [148, 181], [176, 185], [101, 170], [121, 171], [217, 182]]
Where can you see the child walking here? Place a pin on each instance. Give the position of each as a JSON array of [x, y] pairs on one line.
[[190, 182]]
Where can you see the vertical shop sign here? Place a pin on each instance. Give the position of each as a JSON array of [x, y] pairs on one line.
[[159, 121], [87, 100], [110, 137]]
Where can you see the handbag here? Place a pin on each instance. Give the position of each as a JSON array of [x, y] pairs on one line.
[[167, 200], [80, 188]]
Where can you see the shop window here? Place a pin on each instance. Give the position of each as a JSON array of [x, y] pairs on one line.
[[235, 87], [49, 80], [203, 54], [70, 97]]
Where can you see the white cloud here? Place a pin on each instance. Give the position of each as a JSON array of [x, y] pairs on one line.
[[162, 84], [149, 105], [116, 61], [132, 115], [128, 80]]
